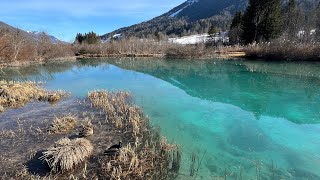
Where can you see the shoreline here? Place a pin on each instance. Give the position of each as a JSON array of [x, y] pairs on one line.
[[218, 55]]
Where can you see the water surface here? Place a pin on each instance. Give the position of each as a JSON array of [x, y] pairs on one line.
[[242, 119]]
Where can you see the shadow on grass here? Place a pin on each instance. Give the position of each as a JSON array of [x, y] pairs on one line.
[[36, 166]]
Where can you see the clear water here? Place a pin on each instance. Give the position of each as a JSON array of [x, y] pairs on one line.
[[242, 119]]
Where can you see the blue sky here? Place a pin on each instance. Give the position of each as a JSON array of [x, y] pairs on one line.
[[64, 18]]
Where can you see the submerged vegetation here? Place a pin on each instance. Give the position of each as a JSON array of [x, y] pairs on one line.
[[17, 94]]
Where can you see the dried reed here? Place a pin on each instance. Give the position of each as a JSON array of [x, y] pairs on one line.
[[66, 154], [63, 124], [16, 94]]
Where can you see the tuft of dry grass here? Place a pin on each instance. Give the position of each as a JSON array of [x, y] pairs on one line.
[[16, 94], [66, 154], [86, 129], [63, 124], [7, 134]]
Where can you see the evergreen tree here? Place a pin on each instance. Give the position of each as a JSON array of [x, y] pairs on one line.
[[213, 30], [271, 25], [235, 29], [262, 20], [291, 20], [251, 21], [79, 38], [318, 24]]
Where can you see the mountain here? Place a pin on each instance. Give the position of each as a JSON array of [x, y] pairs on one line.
[[192, 17], [31, 35], [37, 35]]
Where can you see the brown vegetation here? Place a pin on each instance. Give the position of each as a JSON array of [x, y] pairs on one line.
[[17, 48], [66, 154], [62, 124], [86, 129], [17, 94], [146, 156], [284, 50], [133, 47]]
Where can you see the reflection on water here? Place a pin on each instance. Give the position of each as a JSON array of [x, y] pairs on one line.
[[241, 119]]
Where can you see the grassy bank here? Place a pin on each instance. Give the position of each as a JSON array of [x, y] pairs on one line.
[[73, 140]]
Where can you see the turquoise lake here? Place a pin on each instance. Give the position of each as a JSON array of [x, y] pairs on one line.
[[241, 119]]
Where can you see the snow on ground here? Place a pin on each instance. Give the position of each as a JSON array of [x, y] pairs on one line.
[[200, 38], [193, 39]]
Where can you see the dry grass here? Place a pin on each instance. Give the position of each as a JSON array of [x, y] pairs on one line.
[[66, 154], [63, 124], [7, 134], [147, 156], [153, 160], [86, 129], [119, 110], [284, 50], [16, 94]]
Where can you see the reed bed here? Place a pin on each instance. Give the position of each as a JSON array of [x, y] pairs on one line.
[[148, 156], [16, 94], [119, 110], [284, 50], [66, 154], [63, 124]]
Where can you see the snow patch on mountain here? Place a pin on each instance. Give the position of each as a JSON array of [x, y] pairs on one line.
[[36, 35], [189, 3]]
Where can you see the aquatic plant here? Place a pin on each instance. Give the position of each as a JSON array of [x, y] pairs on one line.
[[63, 124], [66, 154], [16, 94]]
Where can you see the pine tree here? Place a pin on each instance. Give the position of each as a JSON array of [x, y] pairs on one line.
[[79, 38], [251, 21], [235, 29], [291, 20], [213, 30], [270, 27], [262, 20]]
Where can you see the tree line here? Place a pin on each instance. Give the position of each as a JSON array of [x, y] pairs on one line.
[[87, 38], [264, 20]]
